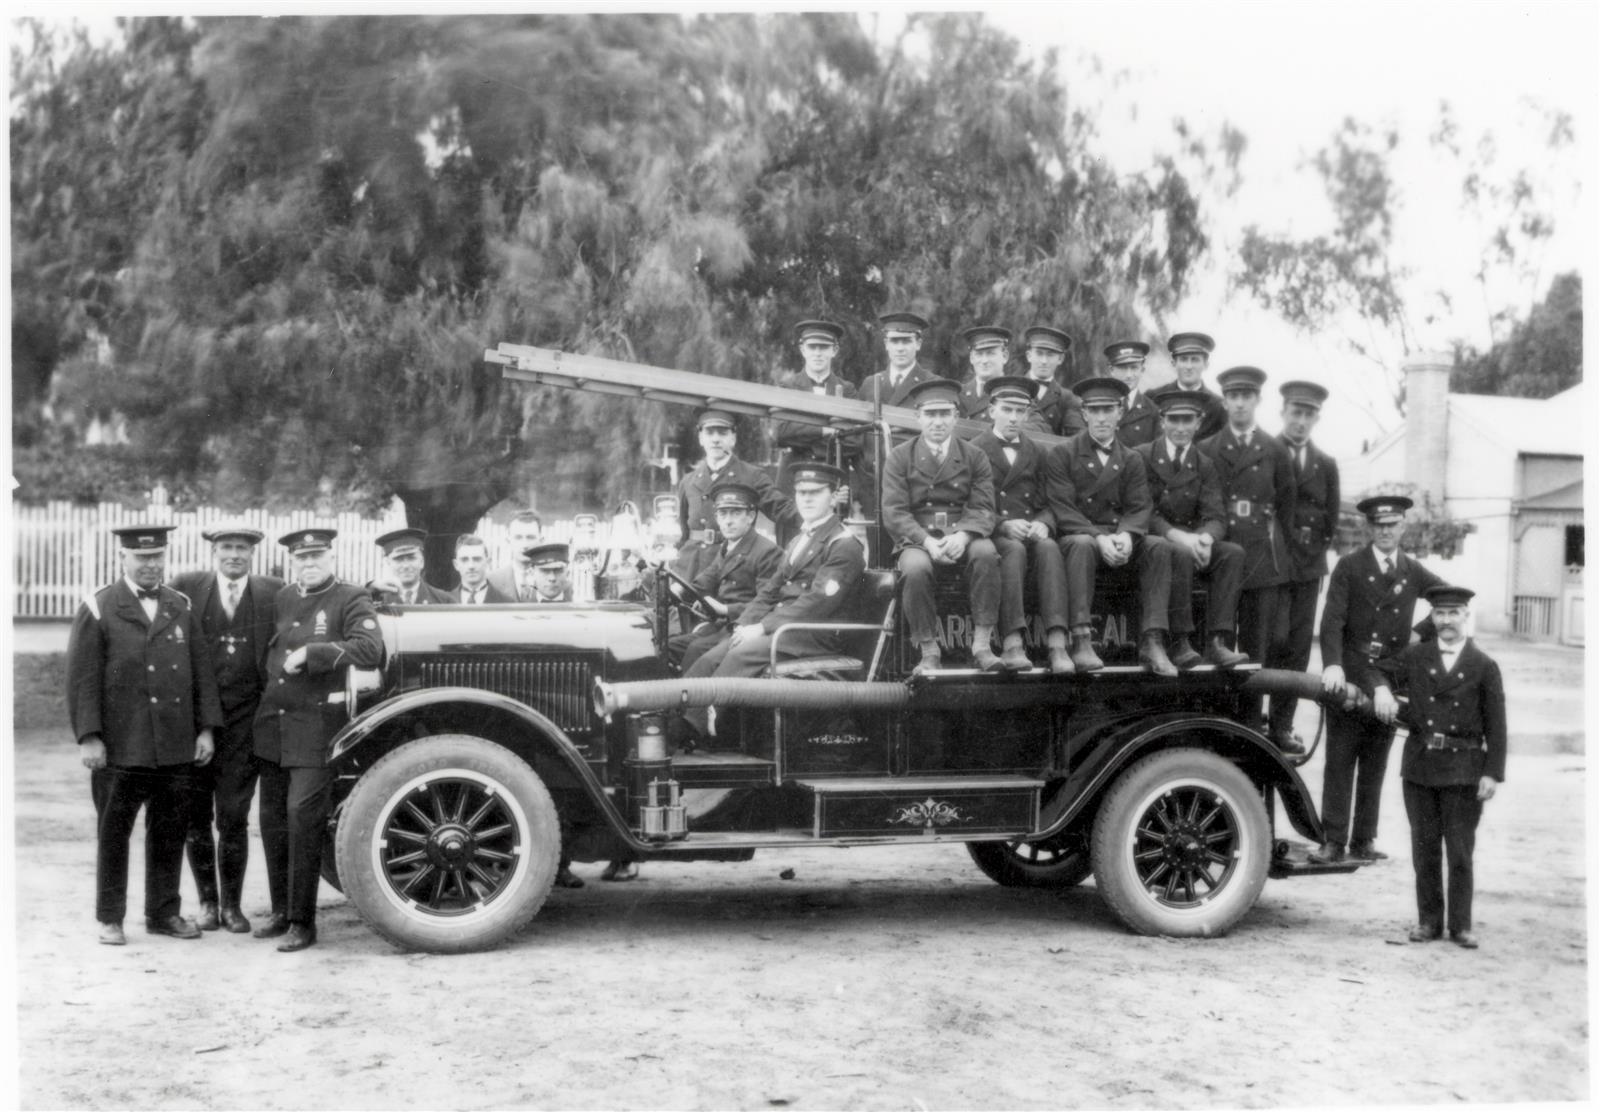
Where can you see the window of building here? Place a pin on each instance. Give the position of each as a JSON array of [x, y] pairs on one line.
[[1574, 547]]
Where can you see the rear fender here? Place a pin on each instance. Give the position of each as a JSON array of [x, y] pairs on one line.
[[1116, 745], [493, 717]]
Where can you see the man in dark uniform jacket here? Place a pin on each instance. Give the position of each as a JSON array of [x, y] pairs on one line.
[[1186, 498], [549, 563], [323, 628], [938, 504], [695, 515], [1057, 410], [813, 583], [742, 561], [1366, 619], [1191, 353], [1100, 500], [142, 700], [1024, 530], [1141, 420], [1258, 497], [402, 583], [798, 441], [988, 347], [1310, 533], [235, 613], [902, 340], [1455, 757]]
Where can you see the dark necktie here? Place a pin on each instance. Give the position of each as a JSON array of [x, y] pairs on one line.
[[150, 592]]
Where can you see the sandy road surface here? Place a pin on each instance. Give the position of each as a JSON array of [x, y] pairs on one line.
[[880, 978]]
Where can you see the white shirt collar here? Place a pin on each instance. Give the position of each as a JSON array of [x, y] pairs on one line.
[[1173, 450], [1393, 557]]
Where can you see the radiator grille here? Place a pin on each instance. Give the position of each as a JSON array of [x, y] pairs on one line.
[[557, 688]]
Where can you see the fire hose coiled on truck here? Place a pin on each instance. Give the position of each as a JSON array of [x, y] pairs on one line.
[[646, 696]]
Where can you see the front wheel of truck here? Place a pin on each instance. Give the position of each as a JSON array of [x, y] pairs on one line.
[[448, 844], [1182, 844]]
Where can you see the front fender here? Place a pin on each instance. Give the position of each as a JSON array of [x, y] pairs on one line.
[[1115, 746], [503, 720]]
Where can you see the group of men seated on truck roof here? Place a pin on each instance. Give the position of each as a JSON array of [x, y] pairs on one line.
[[1153, 489]]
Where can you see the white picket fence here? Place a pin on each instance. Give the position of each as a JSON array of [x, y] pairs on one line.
[[64, 551]]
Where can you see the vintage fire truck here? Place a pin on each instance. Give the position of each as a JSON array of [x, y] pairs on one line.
[[492, 735]]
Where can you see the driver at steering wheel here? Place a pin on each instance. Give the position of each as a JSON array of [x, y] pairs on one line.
[[738, 564]]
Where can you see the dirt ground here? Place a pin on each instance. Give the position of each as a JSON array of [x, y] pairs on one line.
[[887, 978]]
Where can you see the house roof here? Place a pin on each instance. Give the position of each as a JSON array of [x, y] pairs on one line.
[[1569, 497], [1531, 426]]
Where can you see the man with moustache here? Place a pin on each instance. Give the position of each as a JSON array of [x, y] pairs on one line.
[[1309, 534], [234, 609], [323, 628], [1187, 513], [1141, 421], [402, 583], [1100, 499], [938, 504], [1191, 353], [142, 701], [1024, 532], [1365, 620], [1057, 410]]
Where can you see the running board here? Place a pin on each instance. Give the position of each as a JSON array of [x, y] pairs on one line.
[[1295, 860], [940, 807]]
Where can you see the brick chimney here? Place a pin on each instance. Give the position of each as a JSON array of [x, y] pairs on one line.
[[1427, 423]]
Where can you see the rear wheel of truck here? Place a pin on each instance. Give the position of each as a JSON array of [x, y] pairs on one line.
[[1182, 845], [448, 844], [1045, 864]]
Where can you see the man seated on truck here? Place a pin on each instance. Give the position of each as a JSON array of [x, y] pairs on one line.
[[814, 582], [988, 347], [1024, 533], [1057, 410], [1100, 500], [818, 341], [718, 438], [938, 504], [740, 563], [1187, 513]]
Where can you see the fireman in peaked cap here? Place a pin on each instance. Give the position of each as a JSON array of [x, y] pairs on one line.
[[323, 628], [719, 437], [1057, 410], [1141, 421], [143, 704], [1191, 354], [818, 341], [988, 347]]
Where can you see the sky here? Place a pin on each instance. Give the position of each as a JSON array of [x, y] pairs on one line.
[[1286, 74]]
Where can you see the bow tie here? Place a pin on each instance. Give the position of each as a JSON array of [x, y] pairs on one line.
[[153, 592]]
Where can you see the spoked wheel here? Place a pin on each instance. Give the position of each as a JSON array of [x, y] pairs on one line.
[[1046, 864], [1182, 845], [448, 844]]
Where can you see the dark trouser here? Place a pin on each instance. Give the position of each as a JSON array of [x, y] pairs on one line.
[[1292, 651], [1049, 582], [1358, 756], [222, 789], [1260, 614], [118, 794], [1222, 575], [753, 655], [1151, 561], [917, 594], [1449, 814], [683, 649], [294, 820]]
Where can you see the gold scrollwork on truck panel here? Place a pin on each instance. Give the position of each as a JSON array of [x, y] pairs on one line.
[[929, 814]]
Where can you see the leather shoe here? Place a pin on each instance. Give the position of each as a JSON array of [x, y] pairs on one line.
[[273, 927], [1218, 654], [1153, 655], [1084, 658], [983, 658], [932, 660], [1329, 853], [299, 937], [1061, 662], [207, 919], [1292, 746], [1420, 933], [1366, 851], [1183, 654], [565, 878], [173, 926], [1465, 939], [111, 935], [1014, 658], [620, 870], [234, 922]]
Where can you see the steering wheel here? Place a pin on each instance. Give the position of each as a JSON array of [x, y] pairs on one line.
[[687, 596]]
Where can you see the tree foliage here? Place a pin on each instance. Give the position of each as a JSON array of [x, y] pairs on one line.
[[1542, 356], [316, 225]]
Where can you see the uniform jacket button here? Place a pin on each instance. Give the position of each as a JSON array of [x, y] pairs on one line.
[[152, 667], [153, 699]]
